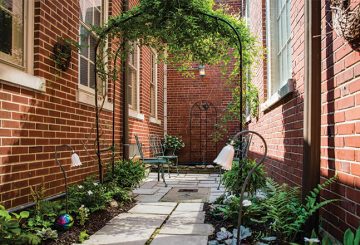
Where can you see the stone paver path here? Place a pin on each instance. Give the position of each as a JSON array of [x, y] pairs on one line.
[[162, 223]]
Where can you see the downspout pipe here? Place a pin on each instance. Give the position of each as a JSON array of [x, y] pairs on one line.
[[125, 107], [312, 104]]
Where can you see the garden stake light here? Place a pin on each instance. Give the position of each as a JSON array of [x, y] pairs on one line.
[[75, 162]]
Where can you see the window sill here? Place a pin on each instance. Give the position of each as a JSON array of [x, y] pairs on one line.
[[285, 90], [137, 115], [15, 76], [155, 120], [87, 98]]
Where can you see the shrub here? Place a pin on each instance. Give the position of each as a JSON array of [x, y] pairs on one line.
[[233, 182], [117, 193], [11, 230], [128, 174], [90, 193]]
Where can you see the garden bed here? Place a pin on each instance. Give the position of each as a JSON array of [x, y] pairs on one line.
[[96, 221]]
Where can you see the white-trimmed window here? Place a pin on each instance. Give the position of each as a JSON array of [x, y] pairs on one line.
[[279, 44], [154, 86], [133, 80], [92, 13], [17, 44]]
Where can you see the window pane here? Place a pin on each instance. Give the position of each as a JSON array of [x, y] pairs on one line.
[[86, 13], [84, 37], [12, 31], [84, 72], [97, 17], [92, 48], [92, 76], [6, 32], [152, 100]]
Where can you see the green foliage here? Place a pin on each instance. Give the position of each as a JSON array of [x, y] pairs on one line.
[[47, 233], [173, 142], [228, 209], [11, 230], [350, 238], [90, 193], [128, 174], [43, 216], [82, 215], [83, 236], [284, 211], [279, 212], [183, 33], [233, 182], [118, 193]]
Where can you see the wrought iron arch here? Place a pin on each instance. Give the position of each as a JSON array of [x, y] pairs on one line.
[[112, 147]]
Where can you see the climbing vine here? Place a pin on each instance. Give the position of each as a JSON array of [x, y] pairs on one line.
[[183, 34]]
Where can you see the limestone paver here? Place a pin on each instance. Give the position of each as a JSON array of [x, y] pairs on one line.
[[186, 218], [163, 239], [143, 191], [184, 221], [187, 229], [190, 207], [127, 229]]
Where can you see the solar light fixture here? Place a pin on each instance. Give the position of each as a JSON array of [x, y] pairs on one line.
[[202, 70]]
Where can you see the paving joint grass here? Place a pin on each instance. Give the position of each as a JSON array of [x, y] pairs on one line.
[[157, 230]]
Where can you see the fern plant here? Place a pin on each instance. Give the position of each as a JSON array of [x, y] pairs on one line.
[[285, 213]]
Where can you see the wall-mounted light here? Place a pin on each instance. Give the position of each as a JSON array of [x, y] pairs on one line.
[[202, 70]]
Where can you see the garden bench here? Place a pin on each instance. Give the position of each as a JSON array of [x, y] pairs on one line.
[[157, 150], [152, 160]]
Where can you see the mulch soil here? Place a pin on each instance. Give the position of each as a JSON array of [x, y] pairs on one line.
[[95, 222]]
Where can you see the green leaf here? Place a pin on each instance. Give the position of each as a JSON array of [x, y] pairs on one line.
[[348, 237], [357, 236], [24, 214]]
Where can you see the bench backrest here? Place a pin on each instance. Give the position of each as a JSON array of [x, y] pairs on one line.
[[139, 146], [156, 147]]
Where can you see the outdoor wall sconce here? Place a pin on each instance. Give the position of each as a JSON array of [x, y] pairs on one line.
[[202, 70], [75, 162]]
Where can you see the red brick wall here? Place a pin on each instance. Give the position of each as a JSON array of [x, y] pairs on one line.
[[33, 123], [282, 124], [340, 140], [183, 93]]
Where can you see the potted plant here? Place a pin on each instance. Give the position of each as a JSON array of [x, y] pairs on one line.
[[172, 144]]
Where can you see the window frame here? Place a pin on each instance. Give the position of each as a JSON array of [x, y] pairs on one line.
[[277, 88], [86, 94], [135, 112], [154, 83], [23, 76], [276, 80]]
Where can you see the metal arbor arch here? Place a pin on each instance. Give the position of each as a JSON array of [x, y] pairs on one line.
[[112, 147]]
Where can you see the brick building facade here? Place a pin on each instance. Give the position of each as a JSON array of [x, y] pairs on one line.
[[42, 107], [281, 117]]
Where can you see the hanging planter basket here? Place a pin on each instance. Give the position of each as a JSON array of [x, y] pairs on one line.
[[346, 21], [62, 55]]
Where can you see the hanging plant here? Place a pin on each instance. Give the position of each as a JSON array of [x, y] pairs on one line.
[[346, 21], [62, 55]]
